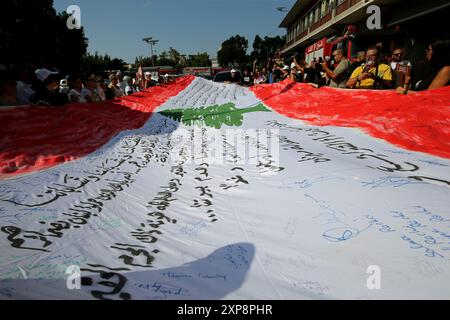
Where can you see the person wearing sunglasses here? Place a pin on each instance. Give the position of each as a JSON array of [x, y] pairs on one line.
[[371, 75], [401, 68], [339, 76], [438, 74]]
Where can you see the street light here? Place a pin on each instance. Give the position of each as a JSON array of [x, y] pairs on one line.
[[282, 9], [151, 42]]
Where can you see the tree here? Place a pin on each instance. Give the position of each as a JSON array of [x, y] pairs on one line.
[[233, 51], [199, 60], [32, 33], [97, 63], [257, 48], [165, 58], [174, 55], [144, 61], [265, 48], [116, 64], [171, 58]]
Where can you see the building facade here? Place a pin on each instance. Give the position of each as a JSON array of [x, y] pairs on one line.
[[407, 23]]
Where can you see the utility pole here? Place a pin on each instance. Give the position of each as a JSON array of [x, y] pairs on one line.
[[151, 42]]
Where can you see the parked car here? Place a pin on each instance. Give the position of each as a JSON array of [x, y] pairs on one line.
[[225, 76], [207, 77]]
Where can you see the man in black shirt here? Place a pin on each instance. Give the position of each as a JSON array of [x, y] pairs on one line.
[[235, 77], [47, 92], [247, 79]]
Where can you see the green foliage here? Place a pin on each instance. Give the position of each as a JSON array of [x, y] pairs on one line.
[[97, 63], [233, 51], [175, 59], [32, 33], [199, 60], [265, 48]]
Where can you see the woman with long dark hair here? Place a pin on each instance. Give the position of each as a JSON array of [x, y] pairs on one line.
[[438, 56]]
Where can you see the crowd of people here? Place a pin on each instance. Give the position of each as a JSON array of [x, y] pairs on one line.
[[48, 87], [368, 70]]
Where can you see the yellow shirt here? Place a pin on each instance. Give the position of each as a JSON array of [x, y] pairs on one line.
[[384, 72]]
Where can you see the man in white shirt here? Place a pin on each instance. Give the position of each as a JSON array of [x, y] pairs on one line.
[[129, 89], [122, 83], [76, 86], [89, 92]]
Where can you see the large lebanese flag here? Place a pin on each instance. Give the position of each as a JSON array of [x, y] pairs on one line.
[[200, 190]]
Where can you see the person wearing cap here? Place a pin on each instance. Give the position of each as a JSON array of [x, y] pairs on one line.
[[235, 77], [129, 89], [166, 78], [47, 92], [148, 80]]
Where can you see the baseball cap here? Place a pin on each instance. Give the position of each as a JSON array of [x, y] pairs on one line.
[[233, 71], [148, 73], [43, 74], [286, 67]]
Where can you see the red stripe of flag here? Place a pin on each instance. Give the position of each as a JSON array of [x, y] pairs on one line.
[[417, 122], [37, 138]]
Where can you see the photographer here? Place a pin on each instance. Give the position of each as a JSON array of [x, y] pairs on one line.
[[338, 77], [297, 69], [372, 75]]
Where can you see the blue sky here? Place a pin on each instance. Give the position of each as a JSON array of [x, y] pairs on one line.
[[190, 26]]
